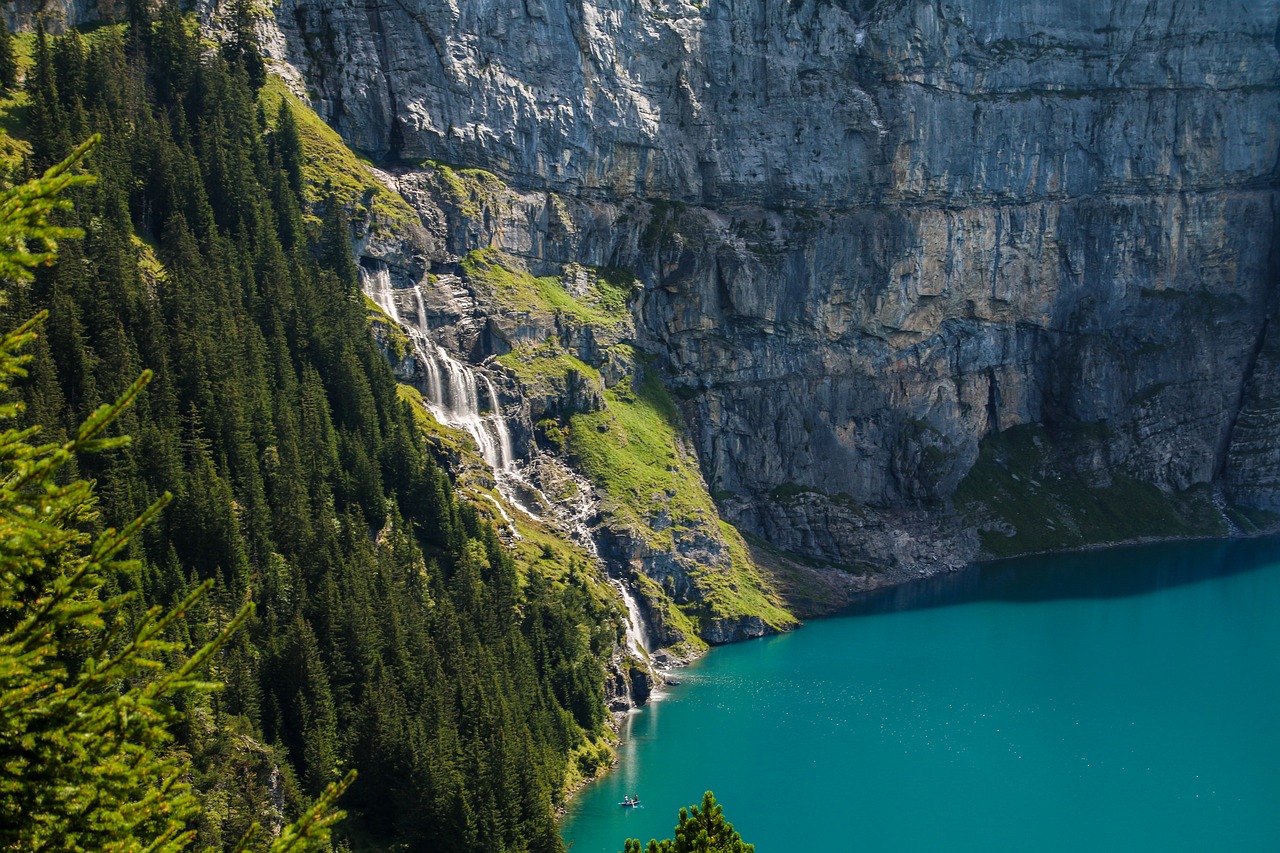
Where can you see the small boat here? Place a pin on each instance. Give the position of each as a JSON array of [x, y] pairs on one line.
[[629, 802]]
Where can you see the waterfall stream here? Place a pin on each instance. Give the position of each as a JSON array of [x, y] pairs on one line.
[[1220, 504], [454, 396], [453, 392], [637, 636], [377, 284]]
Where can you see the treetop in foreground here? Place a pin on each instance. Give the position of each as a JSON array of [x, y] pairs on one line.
[[700, 830]]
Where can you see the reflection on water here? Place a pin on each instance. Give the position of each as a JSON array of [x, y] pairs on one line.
[[1133, 570], [1114, 700]]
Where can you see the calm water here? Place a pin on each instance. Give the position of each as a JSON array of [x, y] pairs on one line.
[[1126, 700]]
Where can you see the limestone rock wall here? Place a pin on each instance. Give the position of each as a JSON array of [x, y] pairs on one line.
[[872, 232]]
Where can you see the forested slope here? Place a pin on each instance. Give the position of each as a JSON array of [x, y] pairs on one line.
[[395, 634]]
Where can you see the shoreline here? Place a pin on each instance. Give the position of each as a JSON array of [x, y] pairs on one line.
[[618, 718], [902, 577], [869, 582]]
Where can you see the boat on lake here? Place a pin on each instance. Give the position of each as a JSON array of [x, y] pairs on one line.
[[629, 802]]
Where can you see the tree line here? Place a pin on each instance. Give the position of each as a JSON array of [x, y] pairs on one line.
[[392, 633]]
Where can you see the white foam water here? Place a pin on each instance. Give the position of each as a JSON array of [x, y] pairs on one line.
[[454, 397]]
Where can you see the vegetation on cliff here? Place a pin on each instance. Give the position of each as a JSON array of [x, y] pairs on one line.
[[590, 298], [633, 450], [393, 632], [1026, 494], [608, 413], [331, 169]]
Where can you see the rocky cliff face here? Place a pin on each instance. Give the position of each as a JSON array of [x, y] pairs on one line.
[[875, 234]]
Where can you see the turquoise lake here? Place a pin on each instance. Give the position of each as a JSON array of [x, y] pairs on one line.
[[1120, 700]]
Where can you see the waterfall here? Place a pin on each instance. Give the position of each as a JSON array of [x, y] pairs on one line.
[[1220, 504], [502, 511], [377, 284], [454, 396], [457, 394], [506, 454], [637, 637]]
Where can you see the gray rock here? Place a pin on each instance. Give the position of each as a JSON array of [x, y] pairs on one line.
[[871, 233]]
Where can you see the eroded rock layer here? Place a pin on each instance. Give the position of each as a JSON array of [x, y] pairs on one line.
[[874, 235]]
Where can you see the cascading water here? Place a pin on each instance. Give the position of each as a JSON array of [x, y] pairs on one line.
[[502, 511], [637, 637], [453, 388], [1220, 504], [506, 454], [454, 398], [377, 284]]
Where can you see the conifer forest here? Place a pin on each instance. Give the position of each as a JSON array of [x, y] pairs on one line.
[[393, 634], [406, 406]]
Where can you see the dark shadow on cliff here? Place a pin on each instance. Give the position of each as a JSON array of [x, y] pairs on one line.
[[1110, 573]]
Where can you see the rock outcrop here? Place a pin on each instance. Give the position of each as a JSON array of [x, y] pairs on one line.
[[872, 234]]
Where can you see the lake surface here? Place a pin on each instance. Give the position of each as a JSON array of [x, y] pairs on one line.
[[1121, 700]]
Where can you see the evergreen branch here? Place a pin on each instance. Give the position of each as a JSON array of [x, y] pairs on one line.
[[314, 824], [103, 416], [153, 623], [25, 211], [179, 678], [249, 834], [110, 542]]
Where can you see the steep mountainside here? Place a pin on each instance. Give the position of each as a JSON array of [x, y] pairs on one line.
[[910, 268], [396, 634], [902, 283]]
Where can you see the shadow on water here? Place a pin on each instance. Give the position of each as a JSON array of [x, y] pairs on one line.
[[1110, 573]]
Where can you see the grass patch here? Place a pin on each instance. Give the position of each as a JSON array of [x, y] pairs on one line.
[[14, 117], [599, 298], [632, 451], [472, 189], [545, 370], [787, 492], [15, 108], [1026, 497], [673, 618], [743, 590], [326, 158], [791, 492], [148, 263]]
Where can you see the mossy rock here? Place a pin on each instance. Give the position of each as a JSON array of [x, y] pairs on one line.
[[1025, 497], [586, 296], [328, 164]]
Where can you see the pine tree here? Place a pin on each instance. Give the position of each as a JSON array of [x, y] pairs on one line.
[[49, 140], [242, 50], [287, 146], [699, 831], [8, 58], [88, 693]]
